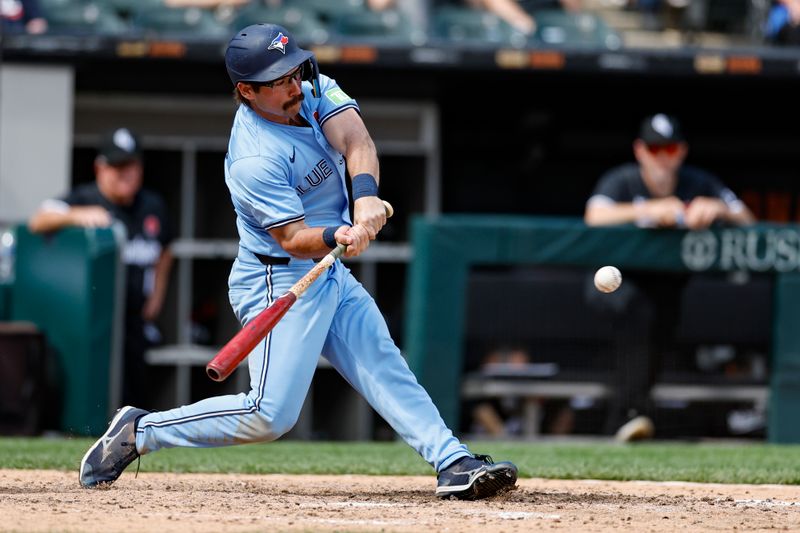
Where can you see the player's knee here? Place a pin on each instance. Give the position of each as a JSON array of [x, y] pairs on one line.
[[273, 425], [283, 423]]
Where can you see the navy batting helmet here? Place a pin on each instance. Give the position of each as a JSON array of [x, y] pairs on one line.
[[266, 52]]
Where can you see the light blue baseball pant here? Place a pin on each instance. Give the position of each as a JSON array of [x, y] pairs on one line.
[[337, 318]]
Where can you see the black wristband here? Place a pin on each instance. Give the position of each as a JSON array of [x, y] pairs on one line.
[[328, 236], [364, 185]]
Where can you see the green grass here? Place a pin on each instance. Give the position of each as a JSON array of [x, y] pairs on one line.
[[715, 463]]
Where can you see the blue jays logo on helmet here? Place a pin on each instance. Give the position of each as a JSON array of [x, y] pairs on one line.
[[279, 43]]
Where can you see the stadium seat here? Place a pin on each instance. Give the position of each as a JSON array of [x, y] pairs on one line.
[[50, 5], [470, 25], [556, 27], [328, 10], [729, 16], [190, 22], [303, 23], [386, 25], [128, 8], [83, 19]]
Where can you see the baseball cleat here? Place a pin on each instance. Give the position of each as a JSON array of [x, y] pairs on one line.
[[114, 451], [474, 478]]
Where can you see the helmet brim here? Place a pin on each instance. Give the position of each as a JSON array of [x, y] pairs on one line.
[[281, 68]]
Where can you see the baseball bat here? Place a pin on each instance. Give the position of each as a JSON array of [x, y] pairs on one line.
[[228, 358]]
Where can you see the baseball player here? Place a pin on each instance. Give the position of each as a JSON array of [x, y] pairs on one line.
[[295, 135]]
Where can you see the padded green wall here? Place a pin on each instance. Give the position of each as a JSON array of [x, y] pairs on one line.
[[65, 284]]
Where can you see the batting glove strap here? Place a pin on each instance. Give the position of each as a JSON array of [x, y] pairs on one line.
[[364, 185]]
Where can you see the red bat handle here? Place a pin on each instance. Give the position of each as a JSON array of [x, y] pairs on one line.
[[240, 346]]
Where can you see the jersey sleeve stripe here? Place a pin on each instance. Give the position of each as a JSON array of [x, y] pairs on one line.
[[336, 111], [285, 222]]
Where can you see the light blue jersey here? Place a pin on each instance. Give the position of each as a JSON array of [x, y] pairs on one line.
[[279, 174]]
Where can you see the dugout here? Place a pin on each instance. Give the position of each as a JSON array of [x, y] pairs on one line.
[[543, 356], [446, 249]]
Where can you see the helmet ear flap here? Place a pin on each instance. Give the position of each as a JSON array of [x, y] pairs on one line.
[[311, 74]]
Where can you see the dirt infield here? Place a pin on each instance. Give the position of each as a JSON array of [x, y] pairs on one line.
[[53, 501]]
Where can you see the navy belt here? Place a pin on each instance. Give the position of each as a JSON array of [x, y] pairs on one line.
[[267, 260], [272, 260]]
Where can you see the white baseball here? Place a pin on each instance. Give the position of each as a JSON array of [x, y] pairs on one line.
[[607, 279]]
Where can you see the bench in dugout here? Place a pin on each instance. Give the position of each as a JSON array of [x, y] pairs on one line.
[[568, 344]]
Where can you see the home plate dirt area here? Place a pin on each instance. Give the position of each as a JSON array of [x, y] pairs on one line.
[[53, 501]]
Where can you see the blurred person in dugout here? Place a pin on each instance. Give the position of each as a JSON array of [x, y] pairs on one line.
[[21, 16], [117, 195], [500, 417], [505, 416], [658, 191]]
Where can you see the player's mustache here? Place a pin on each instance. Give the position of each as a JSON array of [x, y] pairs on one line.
[[299, 98]]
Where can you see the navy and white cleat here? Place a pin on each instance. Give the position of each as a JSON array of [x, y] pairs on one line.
[[114, 451], [474, 478]]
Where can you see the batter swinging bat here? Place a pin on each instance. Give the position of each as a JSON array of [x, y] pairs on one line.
[[240, 346]]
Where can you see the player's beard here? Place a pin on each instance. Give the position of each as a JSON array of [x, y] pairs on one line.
[[299, 98]]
